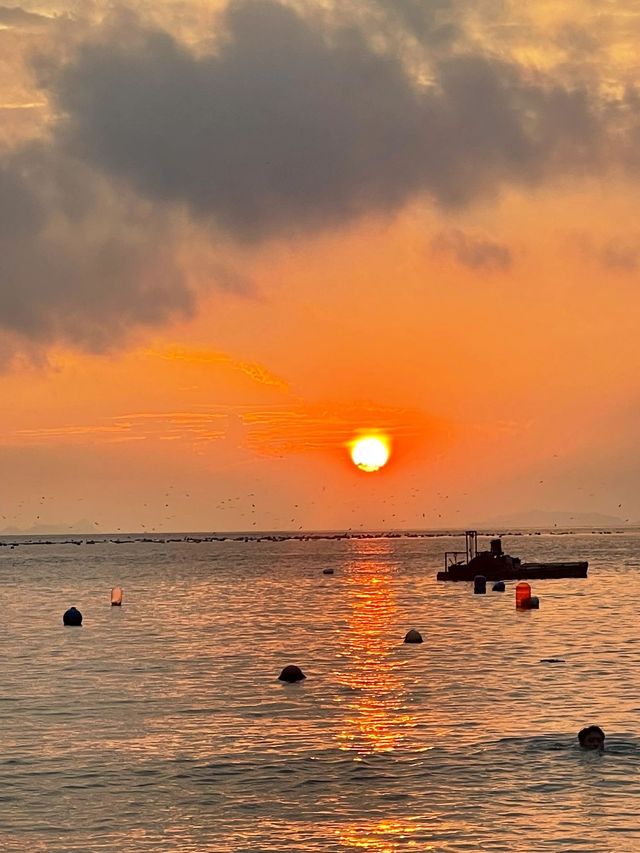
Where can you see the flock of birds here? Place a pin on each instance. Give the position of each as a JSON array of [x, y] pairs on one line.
[[250, 512]]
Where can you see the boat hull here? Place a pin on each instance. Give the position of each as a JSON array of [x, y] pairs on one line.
[[523, 571]]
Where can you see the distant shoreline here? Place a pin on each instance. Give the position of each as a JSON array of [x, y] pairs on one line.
[[12, 540]]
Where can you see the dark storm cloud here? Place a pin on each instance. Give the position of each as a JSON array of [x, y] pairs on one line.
[[290, 126], [76, 262], [473, 251], [292, 122]]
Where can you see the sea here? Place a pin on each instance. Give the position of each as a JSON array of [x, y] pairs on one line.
[[161, 725]]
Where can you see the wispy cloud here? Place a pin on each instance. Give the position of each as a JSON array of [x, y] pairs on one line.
[[621, 254], [475, 251], [618, 254], [297, 427], [257, 372], [19, 17], [27, 105]]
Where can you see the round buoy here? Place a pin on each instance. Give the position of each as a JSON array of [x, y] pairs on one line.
[[116, 596], [291, 674], [413, 636], [72, 617], [498, 586], [327, 571], [479, 585], [531, 603]]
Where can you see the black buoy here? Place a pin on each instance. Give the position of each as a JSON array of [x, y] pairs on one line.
[[532, 603], [413, 636], [291, 674], [479, 585], [327, 571], [498, 586], [72, 617]]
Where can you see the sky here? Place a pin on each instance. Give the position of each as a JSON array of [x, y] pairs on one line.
[[236, 236]]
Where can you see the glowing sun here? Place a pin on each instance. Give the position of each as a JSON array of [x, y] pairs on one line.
[[370, 452]]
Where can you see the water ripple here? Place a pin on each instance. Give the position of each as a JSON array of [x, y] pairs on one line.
[[162, 726]]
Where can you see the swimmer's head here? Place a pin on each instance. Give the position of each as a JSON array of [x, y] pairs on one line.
[[591, 737]]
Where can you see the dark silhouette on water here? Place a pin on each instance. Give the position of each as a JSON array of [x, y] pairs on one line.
[[591, 737], [291, 674], [413, 636], [495, 565], [480, 585], [72, 617]]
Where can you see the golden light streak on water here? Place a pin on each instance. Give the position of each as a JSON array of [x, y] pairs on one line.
[[377, 712]]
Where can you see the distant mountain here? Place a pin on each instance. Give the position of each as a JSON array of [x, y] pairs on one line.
[[549, 519]]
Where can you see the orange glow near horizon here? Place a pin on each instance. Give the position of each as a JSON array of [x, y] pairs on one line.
[[370, 452]]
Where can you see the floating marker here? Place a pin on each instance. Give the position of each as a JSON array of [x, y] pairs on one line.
[[479, 585], [523, 592], [291, 674], [116, 596], [498, 586], [413, 636], [532, 603], [327, 571], [72, 617]]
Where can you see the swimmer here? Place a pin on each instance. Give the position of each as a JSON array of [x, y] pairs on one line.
[[591, 737]]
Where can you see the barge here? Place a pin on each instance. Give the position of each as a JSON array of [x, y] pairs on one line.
[[495, 565]]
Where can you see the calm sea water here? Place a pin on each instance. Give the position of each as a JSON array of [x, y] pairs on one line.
[[161, 726]]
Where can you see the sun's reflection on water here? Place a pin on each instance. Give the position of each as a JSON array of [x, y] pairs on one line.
[[376, 717], [384, 836]]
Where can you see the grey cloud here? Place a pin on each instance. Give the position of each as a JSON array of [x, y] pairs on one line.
[[289, 127], [290, 124], [577, 40], [621, 255], [16, 16], [434, 24], [78, 262], [473, 251], [231, 280]]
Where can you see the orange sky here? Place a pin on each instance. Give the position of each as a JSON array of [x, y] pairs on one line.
[[179, 356]]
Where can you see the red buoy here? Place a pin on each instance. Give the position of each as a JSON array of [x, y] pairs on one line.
[[523, 593]]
